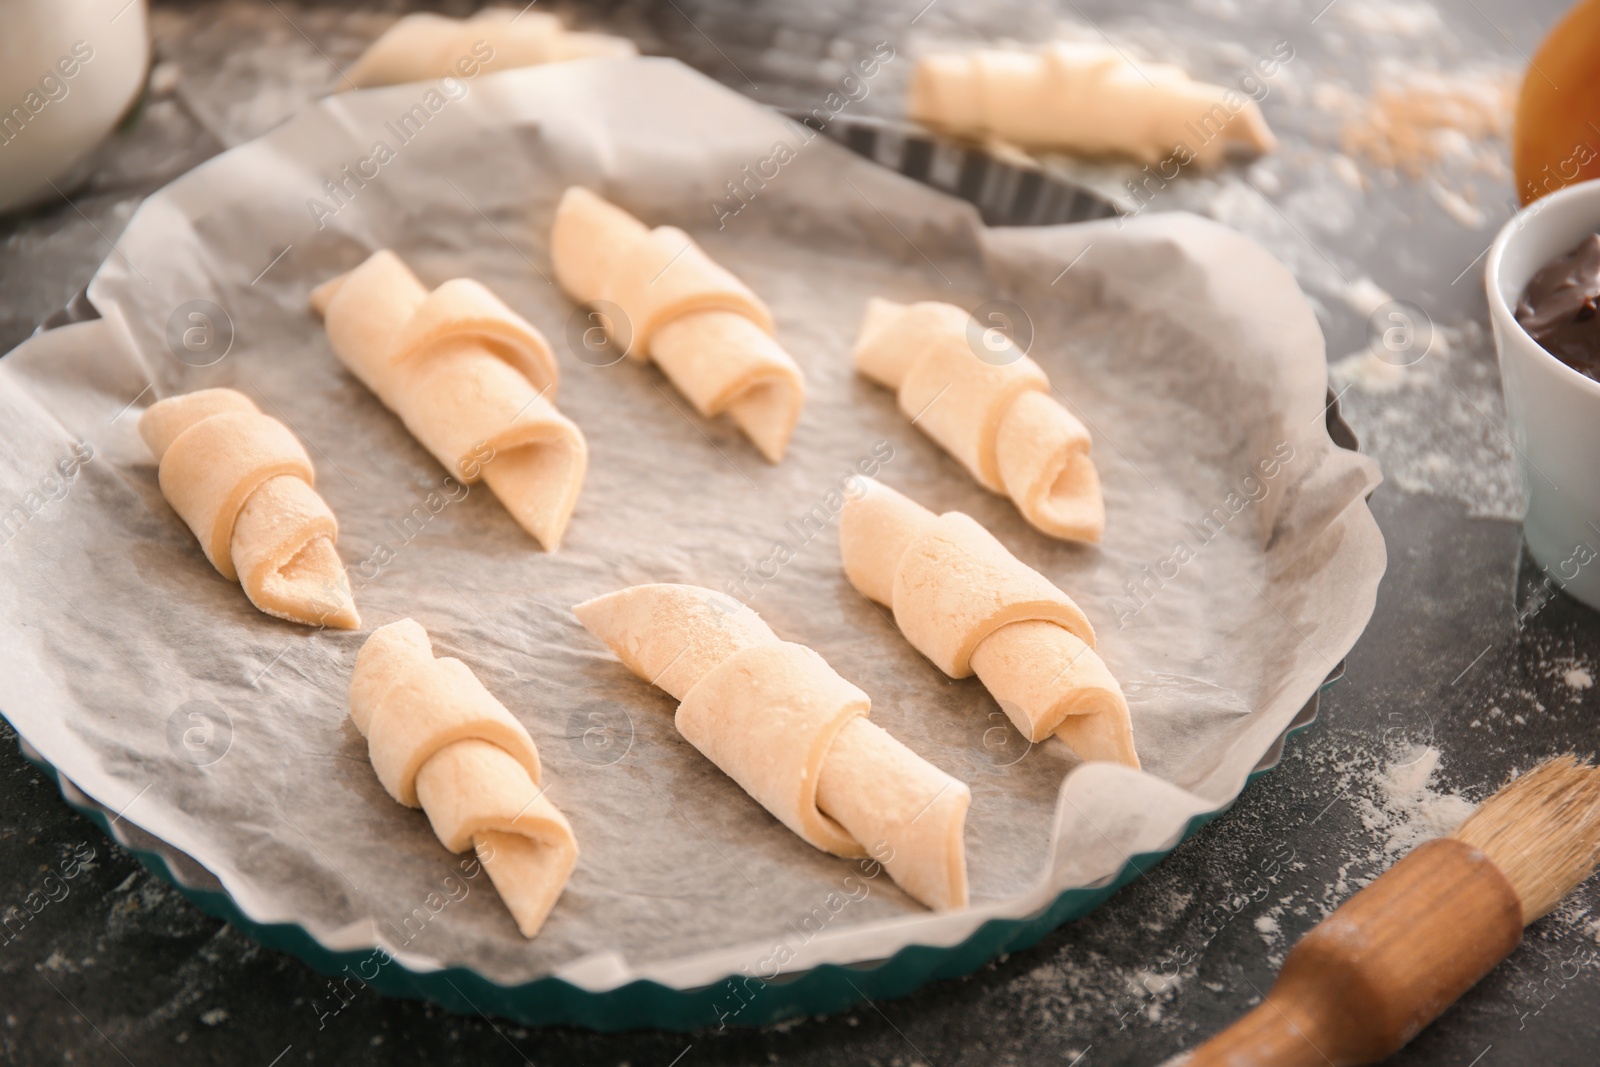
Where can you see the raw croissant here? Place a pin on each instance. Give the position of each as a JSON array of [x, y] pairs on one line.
[[970, 606], [440, 741], [1086, 98], [422, 46], [779, 721], [471, 379], [993, 412], [662, 298], [245, 486]]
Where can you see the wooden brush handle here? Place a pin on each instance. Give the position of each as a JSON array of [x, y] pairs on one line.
[[1367, 978]]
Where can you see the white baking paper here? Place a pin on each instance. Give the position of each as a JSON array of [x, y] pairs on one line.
[[1188, 350]]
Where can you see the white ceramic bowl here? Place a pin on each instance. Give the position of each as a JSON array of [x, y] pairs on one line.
[[1554, 411], [69, 69]]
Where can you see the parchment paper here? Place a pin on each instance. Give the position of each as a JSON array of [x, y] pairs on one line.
[[1189, 351]]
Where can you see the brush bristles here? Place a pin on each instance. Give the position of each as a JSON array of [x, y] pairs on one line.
[[1542, 830]]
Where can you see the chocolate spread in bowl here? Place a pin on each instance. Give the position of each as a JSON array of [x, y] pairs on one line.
[[1558, 308]]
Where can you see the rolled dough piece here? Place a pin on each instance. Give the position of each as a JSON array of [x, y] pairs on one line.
[[992, 411], [1086, 98], [886, 793], [472, 380], [665, 299], [244, 484], [440, 741], [782, 723], [424, 46], [972, 607]]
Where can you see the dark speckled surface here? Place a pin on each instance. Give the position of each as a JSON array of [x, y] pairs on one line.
[[121, 970]]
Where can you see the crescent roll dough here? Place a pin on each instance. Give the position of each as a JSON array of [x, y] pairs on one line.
[[779, 721], [972, 607], [711, 336], [994, 414], [471, 379], [439, 741], [244, 484], [1085, 98], [423, 46]]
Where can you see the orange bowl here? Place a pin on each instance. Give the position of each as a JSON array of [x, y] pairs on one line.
[[1555, 140]]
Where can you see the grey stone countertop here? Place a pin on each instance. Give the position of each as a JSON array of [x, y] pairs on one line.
[[1464, 675]]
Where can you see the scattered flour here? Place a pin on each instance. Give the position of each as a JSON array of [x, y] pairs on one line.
[[1438, 425], [58, 963], [1416, 121], [1457, 207], [1392, 17], [1347, 171], [1365, 296], [1367, 371], [1409, 811], [1160, 990]]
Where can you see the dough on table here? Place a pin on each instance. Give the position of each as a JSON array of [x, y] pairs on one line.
[[424, 46], [244, 484], [471, 379], [782, 723], [992, 411], [440, 741], [1087, 98], [972, 607], [659, 297]]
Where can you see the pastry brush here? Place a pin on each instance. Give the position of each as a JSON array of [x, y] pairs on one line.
[[1392, 958]]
